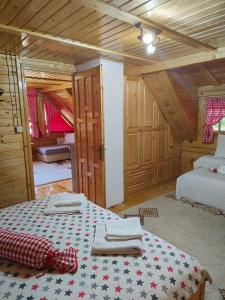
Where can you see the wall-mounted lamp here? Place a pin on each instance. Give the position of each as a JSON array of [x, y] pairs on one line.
[[148, 36], [1, 92]]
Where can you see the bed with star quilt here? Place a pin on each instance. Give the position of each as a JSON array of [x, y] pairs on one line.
[[163, 272]]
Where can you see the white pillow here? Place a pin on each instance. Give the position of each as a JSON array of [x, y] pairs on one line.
[[220, 148], [69, 138]]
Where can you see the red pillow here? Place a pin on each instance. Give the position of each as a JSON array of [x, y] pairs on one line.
[[36, 252]]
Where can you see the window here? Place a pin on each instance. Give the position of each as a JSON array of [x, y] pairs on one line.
[[220, 126]]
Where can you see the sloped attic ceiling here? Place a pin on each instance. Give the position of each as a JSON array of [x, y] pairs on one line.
[[57, 87]]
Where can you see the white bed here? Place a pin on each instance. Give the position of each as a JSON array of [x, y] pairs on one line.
[[203, 186], [208, 161], [160, 273]]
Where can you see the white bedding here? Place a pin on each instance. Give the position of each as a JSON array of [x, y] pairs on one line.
[[202, 186], [160, 273], [209, 161]]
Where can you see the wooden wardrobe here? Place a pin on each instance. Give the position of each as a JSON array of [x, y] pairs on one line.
[[152, 155]]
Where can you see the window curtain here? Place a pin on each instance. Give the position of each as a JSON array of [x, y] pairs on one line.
[[32, 112], [50, 111], [214, 112], [58, 124], [54, 121]]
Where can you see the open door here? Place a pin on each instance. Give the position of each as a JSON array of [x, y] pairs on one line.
[[89, 135]]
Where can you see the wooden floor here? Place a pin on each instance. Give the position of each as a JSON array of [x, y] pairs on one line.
[[144, 196], [53, 188], [66, 186]]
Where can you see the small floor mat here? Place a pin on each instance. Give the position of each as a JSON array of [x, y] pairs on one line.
[[222, 292], [142, 213], [148, 212]]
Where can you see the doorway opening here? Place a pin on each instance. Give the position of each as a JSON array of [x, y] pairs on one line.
[[52, 132]]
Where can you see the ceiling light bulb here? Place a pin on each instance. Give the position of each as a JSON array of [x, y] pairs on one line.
[[148, 38], [151, 49]]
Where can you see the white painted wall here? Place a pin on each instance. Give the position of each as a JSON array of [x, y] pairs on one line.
[[113, 93]]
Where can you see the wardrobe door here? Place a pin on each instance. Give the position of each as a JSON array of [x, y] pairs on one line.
[[139, 134], [132, 124], [147, 125]]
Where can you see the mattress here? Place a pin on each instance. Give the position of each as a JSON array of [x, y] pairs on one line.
[[162, 272], [54, 149], [202, 186], [208, 161]]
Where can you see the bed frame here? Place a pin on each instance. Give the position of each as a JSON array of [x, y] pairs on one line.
[[48, 158], [200, 294]]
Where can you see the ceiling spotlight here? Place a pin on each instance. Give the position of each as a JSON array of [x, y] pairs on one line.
[[148, 38], [151, 49]]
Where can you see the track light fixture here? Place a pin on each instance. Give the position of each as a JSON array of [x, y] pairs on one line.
[[151, 49], [148, 36]]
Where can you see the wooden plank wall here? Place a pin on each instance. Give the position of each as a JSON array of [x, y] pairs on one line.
[[192, 151], [15, 186], [175, 102]]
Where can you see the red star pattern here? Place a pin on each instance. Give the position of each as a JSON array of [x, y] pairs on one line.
[[183, 285], [126, 263], [35, 287], [170, 269], [196, 269], [95, 267], [85, 258], [71, 282], [139, 273], [118, 289], [156, 258], [153, 285], [105, 277], [81, 294]]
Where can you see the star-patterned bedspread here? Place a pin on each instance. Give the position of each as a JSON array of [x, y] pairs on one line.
[[163, 272]]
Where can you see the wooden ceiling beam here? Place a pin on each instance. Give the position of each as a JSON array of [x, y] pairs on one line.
[[56, 88], [187, 60], [70, 42], [127, 17], [208, 74]]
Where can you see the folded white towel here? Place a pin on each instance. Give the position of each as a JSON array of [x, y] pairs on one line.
[[101, 246], [52, 210], [221, 169], [124, 229], [70, 200]]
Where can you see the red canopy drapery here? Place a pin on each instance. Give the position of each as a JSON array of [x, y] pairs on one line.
[[32, 112], [214, 112], [54, 120]]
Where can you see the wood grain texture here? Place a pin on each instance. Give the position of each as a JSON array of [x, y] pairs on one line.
[[176, 101], [152, 154], [89, 137], [184, 26], [13, 181]]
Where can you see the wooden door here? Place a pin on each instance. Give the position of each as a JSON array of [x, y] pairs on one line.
[[89, 135], [132, 124]]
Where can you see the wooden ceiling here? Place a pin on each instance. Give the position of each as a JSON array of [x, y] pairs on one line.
[[56, 86], [210, 73], [47, 81], [73, 31]]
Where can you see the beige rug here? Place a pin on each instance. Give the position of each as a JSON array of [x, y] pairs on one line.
[[196, 231]]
